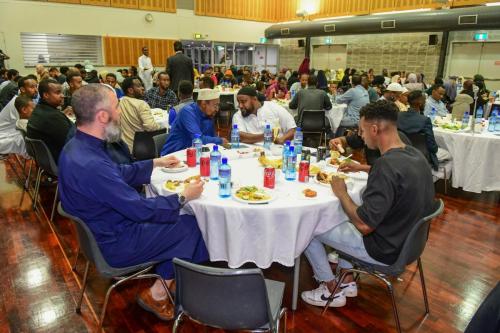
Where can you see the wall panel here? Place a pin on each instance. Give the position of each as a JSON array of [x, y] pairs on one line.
[[155, 5], [124, 51], [457, 3], [382, 6], [105, 3], [131, 4], [66, 1]]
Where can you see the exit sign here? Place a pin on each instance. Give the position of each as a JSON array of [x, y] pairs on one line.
[[481, 36], [263, 40], [197, 36]]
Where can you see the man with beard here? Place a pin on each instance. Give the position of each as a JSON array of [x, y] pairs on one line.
[[128, 228], [135, 112], [48, 123], [195, 119], [254, 115], [162, 96]]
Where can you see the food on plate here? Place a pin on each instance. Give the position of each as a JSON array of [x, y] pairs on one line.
[[334, 157], [325, 178], [252, 193], [192, 179], [314, 169], [266, 162], [258, 150], [309, 193], [345, 162], [242, 152], [178, 185], [227, 145]]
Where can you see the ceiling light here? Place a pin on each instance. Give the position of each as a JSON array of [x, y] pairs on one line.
[[493, 4], [333, 18], [288, 22], [404, 11]]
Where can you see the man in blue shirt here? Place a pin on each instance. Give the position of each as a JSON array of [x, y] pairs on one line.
[[355, 98], [129, 228], [435, 101], [195, 118]]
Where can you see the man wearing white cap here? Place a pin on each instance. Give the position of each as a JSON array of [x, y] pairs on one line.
[[392, 92], [195, 118]]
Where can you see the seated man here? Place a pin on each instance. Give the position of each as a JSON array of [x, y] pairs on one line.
[[399, 193], [310, 98], [128, 228], [162, 96], [355, 98], [185, 95], [301, 84], [195, 118], [434, 101], [254, 115], [11, 139], [112, 81], [48, 123], [135, 112], [278, 89], [414, 122]]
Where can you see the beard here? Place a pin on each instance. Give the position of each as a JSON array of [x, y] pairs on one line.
[[112, 132], [246, 112]]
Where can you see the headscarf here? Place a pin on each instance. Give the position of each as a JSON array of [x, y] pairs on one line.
[[304, 66], [412, 78]]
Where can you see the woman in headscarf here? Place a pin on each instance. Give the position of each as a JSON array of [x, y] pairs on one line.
[[346, 81], [413, 84], [322, 81]]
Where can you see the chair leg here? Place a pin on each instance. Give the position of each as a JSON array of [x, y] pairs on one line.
[[84, 284], [26, 187], [390, 289], [76, 260], [105, 305], [37, 187], [424, 289], [177, 322], [337, 287], [54, 204]]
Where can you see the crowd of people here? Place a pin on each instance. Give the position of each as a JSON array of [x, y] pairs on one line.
[[88, 121]]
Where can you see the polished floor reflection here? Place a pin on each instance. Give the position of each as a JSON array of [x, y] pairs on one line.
[[38, 288]]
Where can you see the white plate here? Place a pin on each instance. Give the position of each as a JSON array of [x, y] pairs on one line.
[[181, 168], [178, 189], [354, 175], [268, 192], [347, 181]]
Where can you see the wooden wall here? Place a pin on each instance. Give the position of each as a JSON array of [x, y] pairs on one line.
[[124, 51], [151, 5]]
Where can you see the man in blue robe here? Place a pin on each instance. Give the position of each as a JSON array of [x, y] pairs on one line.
[[195, 118], [129, 229]]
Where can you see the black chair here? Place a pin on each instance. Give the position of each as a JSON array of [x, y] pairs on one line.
[[90, 250], [46, 164], [159, 140], [226, 110], [413, 248], [244, 299], [314, 121], [144, 145]]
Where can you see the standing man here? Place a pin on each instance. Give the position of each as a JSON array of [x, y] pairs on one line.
[[180, 67], [146, 69]]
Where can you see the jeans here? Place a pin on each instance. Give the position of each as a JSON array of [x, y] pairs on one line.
[[344, 237]]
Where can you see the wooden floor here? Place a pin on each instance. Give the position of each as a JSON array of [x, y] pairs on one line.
[[39, 290]]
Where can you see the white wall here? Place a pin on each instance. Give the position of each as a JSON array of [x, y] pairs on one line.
[[44, 17]]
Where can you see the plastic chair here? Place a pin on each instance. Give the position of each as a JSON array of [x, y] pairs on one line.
[[46, 164], [244, 299], [314, 121], [159, 140], [413, 248], [90, 250], [144, 146]]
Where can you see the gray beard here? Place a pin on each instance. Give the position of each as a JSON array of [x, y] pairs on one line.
[[112, 132]]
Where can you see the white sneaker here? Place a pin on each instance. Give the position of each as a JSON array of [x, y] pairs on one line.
[[319, 297], [350, 289], [333, 257]]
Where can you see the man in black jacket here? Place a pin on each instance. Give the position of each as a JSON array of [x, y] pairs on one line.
[[180, 67], [48, 123]]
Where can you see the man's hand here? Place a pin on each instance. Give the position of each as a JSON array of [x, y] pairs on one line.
[[224, 141], [69, 111], [279, 140], [338, 144], [166, 162], [350, 167], [193, 190], [339, 187]]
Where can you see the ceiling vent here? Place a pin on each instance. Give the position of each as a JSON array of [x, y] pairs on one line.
[[285, 31], [329, 27], [467, 19], [388, 24]]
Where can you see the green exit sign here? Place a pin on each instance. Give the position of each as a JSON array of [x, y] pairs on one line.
[[263, 40], [481, 36]]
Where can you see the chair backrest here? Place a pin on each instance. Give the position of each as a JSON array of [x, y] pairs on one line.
[[226, 103], [414, 244], [144, 145], [312, 121], [88, 244], [231, 299], [418, 141], [159, 140], [42, 155]]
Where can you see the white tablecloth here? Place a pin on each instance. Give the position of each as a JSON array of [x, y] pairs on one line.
[[476, 159], [161, 117], [275, 232]]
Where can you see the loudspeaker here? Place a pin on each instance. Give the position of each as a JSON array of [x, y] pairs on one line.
[[302, 43], [433, 39]]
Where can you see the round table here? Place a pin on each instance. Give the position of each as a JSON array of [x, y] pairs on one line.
[[476, 159], [260, 233]]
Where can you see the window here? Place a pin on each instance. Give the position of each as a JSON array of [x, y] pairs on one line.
[[59, 49]]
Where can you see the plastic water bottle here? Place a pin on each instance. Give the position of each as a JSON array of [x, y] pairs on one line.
[[465, 120], [215, 158], [479, 114], [198, 144], [171, 116], [286, 149], [492, 121], [432, 115], [297, 140], [235, 137], [292, 94], [291, 173], [224, 179], [268, 136]]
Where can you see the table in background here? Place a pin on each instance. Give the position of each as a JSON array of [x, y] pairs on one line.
[[161, 117]]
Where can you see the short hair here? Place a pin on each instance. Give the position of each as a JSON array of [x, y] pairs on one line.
[[304, 74], [53, 69], [21, 102], [177, 46], [144, 47], [207, 82], [64, 70], [436, 87], [414, 95], [281, 78], [380, 110], [11, 73], [3, 71], [129, 83], [186, 88], [356, 80], [22, 81], [71, 74], [44, 86], [312, 81], [163, 73], [112, 75], [79, 66], [87, 100]]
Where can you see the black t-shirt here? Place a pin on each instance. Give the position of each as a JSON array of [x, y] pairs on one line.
[[400, 192]]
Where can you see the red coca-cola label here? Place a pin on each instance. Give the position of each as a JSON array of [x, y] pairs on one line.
[[191, 157], [205, 166], [304, 172], [269, 177]]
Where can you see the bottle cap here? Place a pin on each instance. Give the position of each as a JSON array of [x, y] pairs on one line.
[[235, 126], [224, 160], [287, 143], [268, 126], [292, 148], [197, 135], [215, 148], [298, 129]]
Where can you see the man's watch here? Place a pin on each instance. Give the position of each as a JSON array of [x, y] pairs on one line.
[[182, 200]]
